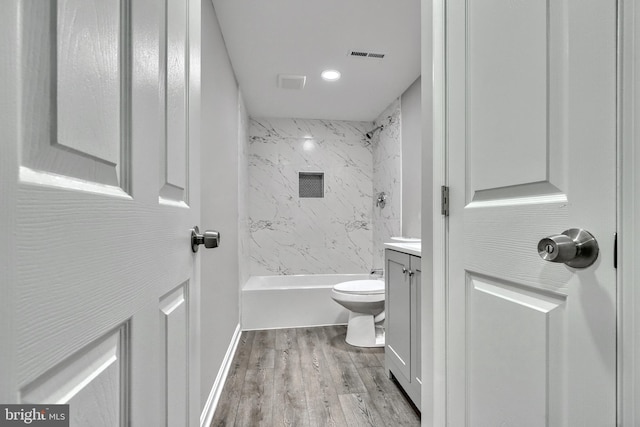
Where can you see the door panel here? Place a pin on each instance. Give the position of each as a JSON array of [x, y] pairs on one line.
[[509, 75], [75, 98], [174, 154], [531, 123], [90, 35], [102, 300], [511, 363], [92, 381], [174, 313]]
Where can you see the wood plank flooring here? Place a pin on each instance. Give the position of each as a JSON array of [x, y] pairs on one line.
[[310, 377]]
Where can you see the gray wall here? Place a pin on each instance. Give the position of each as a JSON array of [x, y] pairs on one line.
[[397, 170], [387, 175], [244, 243], [411, 160], [219, 185]]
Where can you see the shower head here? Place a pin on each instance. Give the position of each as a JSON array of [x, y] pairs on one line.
[[369, 134]]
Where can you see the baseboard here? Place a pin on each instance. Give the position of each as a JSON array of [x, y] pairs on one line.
[[295, 327], [214, 395]]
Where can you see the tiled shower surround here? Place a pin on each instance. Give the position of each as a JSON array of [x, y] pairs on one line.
[[293, 235], [342, 232]]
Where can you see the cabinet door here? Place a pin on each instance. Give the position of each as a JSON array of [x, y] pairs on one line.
[[416, 295], [398, 312]]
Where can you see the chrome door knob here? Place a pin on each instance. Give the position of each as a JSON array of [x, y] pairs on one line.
[[574, 247], [210, 239]]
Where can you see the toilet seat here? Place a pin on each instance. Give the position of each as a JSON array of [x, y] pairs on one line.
[[361, 287], [365, 301]]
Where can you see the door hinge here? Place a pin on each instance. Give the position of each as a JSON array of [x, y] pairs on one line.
[[615, 250], [444, 200]]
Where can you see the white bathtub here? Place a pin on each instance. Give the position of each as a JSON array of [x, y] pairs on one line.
[[270, 302]]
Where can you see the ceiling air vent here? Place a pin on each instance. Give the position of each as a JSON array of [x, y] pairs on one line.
[[291, 81], [363, 54]]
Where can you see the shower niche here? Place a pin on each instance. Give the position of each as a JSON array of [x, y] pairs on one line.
[[311, 184]]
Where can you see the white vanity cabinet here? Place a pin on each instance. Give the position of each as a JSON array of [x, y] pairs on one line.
[[402, 332]]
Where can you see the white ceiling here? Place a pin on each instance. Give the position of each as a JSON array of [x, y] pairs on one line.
[[304, 37]]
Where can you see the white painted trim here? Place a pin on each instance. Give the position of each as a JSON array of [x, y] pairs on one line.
[[194, 84], [214, 395], [9, 123], [628, 209], [440, 223], [428, 196]]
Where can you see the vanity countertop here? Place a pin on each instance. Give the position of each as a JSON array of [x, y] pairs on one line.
[[407, 248]]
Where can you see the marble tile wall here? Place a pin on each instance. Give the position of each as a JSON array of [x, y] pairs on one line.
[[387, 177], [290, 235]]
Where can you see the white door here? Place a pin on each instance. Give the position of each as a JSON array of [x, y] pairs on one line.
[[531, 125], [100, 132]]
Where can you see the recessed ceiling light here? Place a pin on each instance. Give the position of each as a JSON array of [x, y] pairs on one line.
[[330, 75]]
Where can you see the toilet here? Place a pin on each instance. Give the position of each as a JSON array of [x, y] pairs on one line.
[[365, 301]]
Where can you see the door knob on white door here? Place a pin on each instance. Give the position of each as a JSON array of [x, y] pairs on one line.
[[574, 247], [210, 239]]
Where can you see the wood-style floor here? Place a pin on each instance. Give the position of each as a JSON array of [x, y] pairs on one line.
[[310, 377]]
